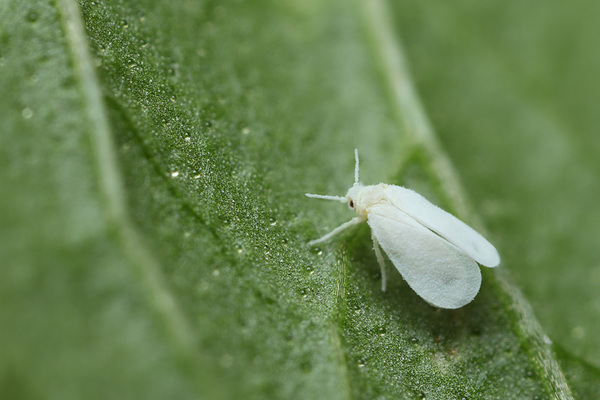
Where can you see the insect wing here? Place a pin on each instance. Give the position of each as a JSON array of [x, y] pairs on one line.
[[437, 270], [444, 224]]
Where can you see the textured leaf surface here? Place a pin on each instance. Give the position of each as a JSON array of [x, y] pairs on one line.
[[154, 159]]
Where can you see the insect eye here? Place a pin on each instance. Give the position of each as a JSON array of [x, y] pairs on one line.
[[351, 204]]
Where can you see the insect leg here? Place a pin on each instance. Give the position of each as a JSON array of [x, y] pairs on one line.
[[345, 225], [380, 261]]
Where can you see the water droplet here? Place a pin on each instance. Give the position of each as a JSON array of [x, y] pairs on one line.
[[529, 374], [226, 360], [124, 23], [578, 332], [188, 139], [245, 131], [27, 113], [32, 16], [174, 174]]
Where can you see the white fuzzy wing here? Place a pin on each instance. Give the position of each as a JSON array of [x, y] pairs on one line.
[[437, 270], [444, 224]]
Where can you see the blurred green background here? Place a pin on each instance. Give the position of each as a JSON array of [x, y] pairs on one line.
[[154, 158]]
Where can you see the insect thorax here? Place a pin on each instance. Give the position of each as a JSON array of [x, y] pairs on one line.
[[360, 198]]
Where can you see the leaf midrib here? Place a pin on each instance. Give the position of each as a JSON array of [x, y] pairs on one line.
[[409, 112], [111, 184]]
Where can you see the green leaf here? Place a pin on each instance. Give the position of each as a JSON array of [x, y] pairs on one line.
[[155, 157], [514, 106]]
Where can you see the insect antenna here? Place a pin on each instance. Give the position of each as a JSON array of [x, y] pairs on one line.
[[339, 198], [326, 197], [356, 167]]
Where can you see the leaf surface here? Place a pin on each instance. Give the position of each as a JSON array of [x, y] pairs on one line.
[[155, 156]]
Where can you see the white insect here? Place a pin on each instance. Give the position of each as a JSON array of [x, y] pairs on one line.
[[435, 252]]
